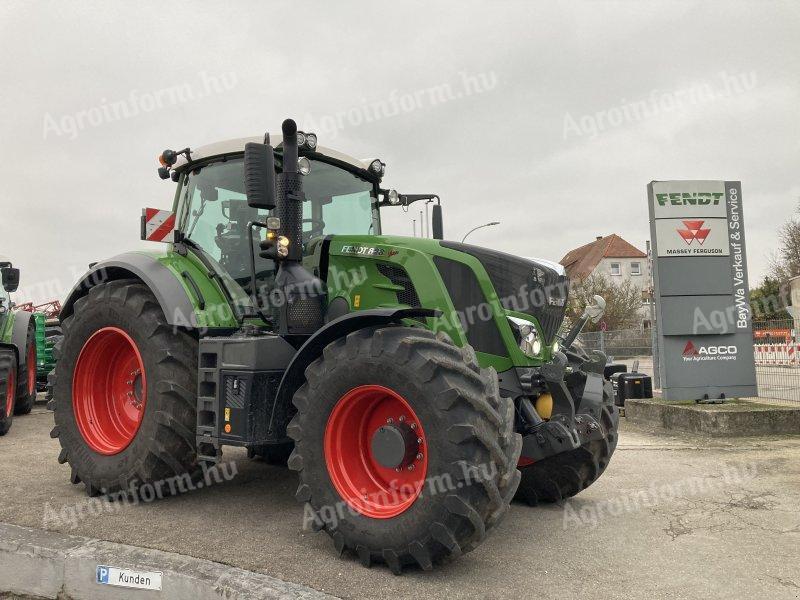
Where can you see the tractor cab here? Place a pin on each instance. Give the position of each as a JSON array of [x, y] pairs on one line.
[[342, 196]]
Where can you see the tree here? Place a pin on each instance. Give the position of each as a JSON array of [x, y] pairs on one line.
[[786, 261], [769, 300], [623, 302]]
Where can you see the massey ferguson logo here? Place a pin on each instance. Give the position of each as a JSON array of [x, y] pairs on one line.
[[691, 352], [694, 231]]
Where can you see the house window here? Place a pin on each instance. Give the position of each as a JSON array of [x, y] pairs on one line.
[[616, 269], [636, 268]]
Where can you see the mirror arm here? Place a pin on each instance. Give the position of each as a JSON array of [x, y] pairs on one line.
[[575, 331]]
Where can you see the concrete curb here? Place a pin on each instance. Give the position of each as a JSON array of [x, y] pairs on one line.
[[53, 565], [718, 420]]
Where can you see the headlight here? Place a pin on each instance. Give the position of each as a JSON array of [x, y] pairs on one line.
[[556, 347], [311, 140], [527, 336], [301, 139], [304, 165]]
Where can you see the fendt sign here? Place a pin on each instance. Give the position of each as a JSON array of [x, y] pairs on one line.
[[704, 335]]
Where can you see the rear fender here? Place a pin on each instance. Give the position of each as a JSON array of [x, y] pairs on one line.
[[19, 337], [185, 292]]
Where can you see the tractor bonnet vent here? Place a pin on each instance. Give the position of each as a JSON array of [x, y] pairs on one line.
[[399, 277]]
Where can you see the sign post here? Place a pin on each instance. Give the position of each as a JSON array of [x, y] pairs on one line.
[[705, 337]]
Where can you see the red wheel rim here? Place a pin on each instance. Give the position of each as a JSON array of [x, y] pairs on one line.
[[31, 366], [368, 486], [109, 391], [11, 391]]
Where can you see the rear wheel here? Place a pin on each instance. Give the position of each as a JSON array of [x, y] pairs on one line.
[[564, 475], [8, 388], [405, 450], [26, 380], [124, 392]]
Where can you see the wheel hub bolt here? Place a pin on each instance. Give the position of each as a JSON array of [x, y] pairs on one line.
[[419, 456], [410, 467]]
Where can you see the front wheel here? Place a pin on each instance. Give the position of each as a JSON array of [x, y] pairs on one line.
[[405, 450]]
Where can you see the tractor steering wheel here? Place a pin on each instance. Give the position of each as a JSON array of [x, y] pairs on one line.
[[317, 229]]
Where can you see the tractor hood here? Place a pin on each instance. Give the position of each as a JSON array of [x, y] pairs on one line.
[[535, 287]]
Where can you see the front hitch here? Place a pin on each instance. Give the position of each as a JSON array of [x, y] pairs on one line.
[[567, 429]]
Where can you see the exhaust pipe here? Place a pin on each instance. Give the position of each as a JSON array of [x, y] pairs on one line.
[[290, 194], [302, 296]]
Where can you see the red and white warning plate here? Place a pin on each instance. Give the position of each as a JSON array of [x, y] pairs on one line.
[[158, 225]]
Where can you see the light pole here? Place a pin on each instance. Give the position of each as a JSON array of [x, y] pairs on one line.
[[479, 227]]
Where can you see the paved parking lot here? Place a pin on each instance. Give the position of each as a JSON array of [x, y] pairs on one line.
[[673, 517]]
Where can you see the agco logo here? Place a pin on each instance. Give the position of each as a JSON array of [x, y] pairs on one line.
[[709, 352], [694, 231]]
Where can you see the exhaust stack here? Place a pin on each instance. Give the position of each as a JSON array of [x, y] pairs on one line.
[[301, 298], [290, 194]]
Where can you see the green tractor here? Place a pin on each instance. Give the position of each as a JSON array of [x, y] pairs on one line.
[[17, 353], [48, 332], [416, 385]]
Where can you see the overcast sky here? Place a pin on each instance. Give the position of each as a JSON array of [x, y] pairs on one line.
[[548, 117]]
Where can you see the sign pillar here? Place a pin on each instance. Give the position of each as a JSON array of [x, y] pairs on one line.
[[705, 338]]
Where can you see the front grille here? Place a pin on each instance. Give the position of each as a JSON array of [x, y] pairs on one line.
[[524, 286], [399, 277]]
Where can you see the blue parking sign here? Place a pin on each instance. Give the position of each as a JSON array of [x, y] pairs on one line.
[[102, 574]]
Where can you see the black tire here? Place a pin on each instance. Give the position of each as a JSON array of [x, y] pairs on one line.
[[164, 445], [26, 396], [273, 454], [467, 425], [562, 476], [8, 375]]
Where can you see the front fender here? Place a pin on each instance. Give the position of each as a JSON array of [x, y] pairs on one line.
[[294, 376]]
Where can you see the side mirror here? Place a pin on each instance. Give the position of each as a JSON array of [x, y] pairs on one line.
[[594, 312], [10, 279], [259, 175], [437, 225]]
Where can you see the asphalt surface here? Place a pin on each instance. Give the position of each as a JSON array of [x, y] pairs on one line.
[[673, 517]]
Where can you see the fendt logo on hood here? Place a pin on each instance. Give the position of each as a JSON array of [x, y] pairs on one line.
[[692, 352], [694, 231]]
